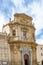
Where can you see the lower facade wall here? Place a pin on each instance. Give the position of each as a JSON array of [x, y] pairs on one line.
[[14, 56], [12, 63]]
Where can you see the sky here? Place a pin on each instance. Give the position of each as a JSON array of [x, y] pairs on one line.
[[33, 8]]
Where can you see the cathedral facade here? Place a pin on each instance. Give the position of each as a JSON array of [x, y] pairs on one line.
[[17, 42]]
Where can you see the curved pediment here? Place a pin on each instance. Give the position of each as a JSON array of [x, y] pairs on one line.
[[22, 15]]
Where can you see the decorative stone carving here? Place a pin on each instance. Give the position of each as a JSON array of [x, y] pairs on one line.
[[26, 50]]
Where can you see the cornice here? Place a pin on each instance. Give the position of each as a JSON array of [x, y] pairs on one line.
[[22, 15]]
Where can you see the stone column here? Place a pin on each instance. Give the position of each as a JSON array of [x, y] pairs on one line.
[[33, 56], [12, 53]]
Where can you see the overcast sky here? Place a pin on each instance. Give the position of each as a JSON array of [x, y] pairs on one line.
[[33, 8]]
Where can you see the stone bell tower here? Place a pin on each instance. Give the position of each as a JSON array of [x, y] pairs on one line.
[[21, 38]]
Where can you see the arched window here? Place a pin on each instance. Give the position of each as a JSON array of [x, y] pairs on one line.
[[24, 35], [14, 33]]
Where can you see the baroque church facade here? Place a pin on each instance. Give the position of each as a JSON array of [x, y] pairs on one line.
[[17, 42]]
